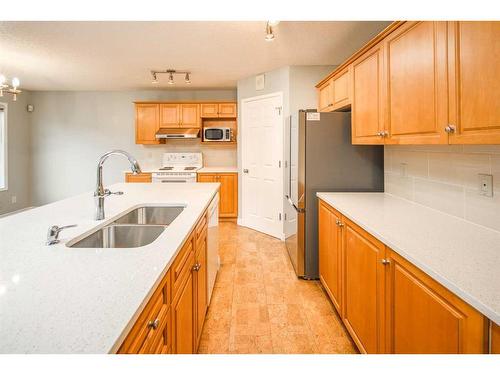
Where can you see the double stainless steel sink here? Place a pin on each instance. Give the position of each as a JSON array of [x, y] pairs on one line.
[[136, 228]]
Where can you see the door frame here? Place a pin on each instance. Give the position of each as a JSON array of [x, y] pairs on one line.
[[241, 219]]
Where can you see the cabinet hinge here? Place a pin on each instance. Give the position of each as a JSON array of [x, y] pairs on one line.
[[279, 216], [279, 164], [279, 109]]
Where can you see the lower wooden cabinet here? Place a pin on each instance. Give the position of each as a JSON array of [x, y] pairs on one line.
[[330, 253], [494, 339], [228, 205], [388, 305], [140, 177], [173, 318], [363, 287], [424, 317]]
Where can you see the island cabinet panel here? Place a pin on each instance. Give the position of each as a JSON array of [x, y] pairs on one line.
[[140, 177], [368, 98], [364, 279], [416, 71], [325, 96], [423, 317], [474, 76], [330, 251], [201, 281], [494, 338], [147, 123], [183, 317], [153, 325]]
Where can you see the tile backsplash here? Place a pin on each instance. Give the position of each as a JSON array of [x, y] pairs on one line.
[[446, 178]]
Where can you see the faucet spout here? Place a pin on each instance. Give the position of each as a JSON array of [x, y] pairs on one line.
[[100, 193]]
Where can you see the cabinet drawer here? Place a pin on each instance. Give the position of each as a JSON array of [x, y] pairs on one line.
[[156, 336], [201, 227], [182, 265], [139, 333]]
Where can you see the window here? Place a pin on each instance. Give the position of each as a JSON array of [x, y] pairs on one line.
[[3, 146]]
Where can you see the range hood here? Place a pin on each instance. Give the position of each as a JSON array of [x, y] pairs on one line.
[[177, 133]]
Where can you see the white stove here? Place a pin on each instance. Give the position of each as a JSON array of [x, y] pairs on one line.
[[178, 167]]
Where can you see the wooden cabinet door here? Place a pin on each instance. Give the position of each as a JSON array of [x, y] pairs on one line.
[[325, 97], [342, 90], [206, 177], [201, 285], [330, 262], [227, 110], [147, 123], [368, 98], [140, 177], [228, 206], [474, 76], [364, 277], [210, 110], [494, 338], [170, 115], [190, 116], [183, 318], [424, 317], [417, 98]]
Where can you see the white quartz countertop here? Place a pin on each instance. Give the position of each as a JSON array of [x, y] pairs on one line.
[[463, 256], [55, 299], [218, 170]]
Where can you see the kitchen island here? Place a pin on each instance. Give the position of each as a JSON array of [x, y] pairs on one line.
[[57, 299]]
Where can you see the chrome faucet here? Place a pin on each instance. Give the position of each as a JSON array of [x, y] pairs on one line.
[[100, 193], [53, 233]]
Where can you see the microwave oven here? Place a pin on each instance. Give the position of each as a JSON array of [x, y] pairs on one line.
[[217, 134]]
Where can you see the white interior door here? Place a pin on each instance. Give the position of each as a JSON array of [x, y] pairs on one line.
[[262, 149]]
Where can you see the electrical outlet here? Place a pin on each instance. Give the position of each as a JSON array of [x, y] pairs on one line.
[[485, 184], [13, 199]]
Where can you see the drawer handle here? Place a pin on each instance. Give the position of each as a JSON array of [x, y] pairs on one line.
[[385, 262], [197, 267], [154, 323]]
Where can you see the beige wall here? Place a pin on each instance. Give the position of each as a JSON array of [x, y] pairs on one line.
[[70, 130], [19, 166], [446, 178]]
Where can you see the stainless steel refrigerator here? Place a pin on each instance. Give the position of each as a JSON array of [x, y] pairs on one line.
[[320, 157]]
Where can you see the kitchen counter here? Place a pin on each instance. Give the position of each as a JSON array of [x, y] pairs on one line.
[[462, 256], [55, 299], [218, 170]]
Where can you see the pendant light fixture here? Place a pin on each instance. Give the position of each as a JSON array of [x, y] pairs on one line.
[[12, 89], [170, 72]]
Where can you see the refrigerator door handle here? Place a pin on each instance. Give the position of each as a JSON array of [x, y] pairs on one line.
[[299, 210]]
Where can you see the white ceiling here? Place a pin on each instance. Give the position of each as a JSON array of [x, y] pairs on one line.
[[120, 55]]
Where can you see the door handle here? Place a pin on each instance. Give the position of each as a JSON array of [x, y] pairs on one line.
[[245, 170], [299, 210]]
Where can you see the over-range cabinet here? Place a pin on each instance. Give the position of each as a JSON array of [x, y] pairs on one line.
[[320, 157]]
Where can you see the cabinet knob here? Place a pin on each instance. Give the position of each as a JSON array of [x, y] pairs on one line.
[[197, 267], [450, 128], [245, 170], [339, 223], [385, 262], [154, 324]]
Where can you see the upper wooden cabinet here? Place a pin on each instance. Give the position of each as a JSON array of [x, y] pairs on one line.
[[474, 76], [218, 110], [423, 317], [416, 84], [334, 93], [147, 123], [367, 99], [423, 83], [179, 115]]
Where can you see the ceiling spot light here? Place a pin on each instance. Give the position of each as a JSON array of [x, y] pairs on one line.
[[269, 33], [171, 73], [155, 79], [187, 80], [171, 78]]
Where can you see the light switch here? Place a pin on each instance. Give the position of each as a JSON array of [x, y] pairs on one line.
[[486, 184]]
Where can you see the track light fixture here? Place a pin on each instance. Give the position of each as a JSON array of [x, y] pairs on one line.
[[11, 89], [170, 72], [269, 30]]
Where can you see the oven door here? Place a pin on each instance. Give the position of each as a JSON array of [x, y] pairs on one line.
[[174, 178], [213, 134]]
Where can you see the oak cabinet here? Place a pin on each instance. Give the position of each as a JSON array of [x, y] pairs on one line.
[[183, 318], [219, 110], [494, 338], [140, 177], [325, 96], [367, 116], [329, 251], [190, 116], [200, 275], [423, 317], [228, 205], [341, 89], [363, 288], [147, 118], [416, 84], [474, 76], [179, 115]]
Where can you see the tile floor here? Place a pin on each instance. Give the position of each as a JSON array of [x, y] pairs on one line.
[[259, 306]]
